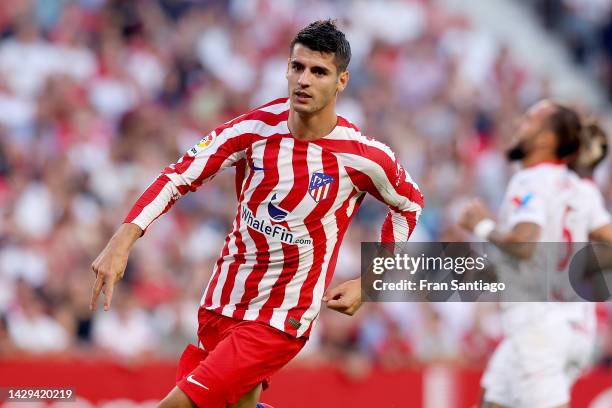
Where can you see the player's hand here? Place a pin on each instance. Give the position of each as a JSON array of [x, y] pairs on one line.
[[108, 267], [344, 298], [474, 212]]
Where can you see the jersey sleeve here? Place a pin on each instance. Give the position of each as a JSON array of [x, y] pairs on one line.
[[218, 150], [525, 201], [382, 176]]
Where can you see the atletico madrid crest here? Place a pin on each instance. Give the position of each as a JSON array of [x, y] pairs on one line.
[[320, 185]]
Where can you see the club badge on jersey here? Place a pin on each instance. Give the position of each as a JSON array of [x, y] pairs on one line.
[[320, 184]]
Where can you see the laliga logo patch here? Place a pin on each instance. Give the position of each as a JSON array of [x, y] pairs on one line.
[[206, 141], [203, 144]]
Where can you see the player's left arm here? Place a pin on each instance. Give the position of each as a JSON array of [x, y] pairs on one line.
[[344, 298], [602, 234], [379, 174], [600, 230], [600, 255]]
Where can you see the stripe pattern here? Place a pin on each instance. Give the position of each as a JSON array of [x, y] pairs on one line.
[[275, 269]]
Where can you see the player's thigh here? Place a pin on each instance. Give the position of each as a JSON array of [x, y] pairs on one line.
[[176, 399], [541, 358], [250, 399]]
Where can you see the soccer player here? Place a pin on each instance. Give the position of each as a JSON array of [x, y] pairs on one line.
[[302, 172], [544, 202]]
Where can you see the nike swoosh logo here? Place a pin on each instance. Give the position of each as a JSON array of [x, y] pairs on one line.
[[254, 167], [194, 381]]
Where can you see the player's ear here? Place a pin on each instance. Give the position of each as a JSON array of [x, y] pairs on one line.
[[343, 79], [288, 66]]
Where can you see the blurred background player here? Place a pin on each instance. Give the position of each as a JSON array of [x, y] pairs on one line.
[[302, 172], [544, 203]]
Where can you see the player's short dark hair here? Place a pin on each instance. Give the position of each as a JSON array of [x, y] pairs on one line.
[[324, 36], [567, 127]]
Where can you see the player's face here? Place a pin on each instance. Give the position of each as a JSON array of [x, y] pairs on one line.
[[535, 120], [313, 79], [532, 130]]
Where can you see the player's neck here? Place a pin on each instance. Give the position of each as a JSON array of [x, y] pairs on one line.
[[312, 127], [537, 159]]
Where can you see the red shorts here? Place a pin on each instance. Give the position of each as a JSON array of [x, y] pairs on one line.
[[237, 356]]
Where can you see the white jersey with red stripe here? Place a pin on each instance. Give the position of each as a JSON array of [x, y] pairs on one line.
[[543, 195], [295, 201], [567, 209], [588, 196], [547, 344]]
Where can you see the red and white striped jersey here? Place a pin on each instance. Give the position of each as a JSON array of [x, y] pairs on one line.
[[295, 201]]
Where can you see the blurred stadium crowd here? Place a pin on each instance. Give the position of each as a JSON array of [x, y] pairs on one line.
[[96, 97], [585, 26]]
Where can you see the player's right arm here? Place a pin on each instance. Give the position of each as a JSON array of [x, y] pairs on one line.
[[519, 241], [526, 215], [220, 149]]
